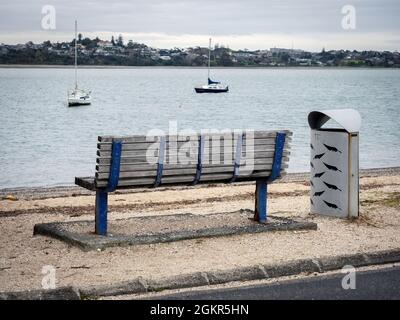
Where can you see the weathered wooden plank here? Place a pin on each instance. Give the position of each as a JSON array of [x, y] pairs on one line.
[[143, 138], [176, 159], [193, 152], [133, 146], [142, 161], [216, 161], [184, 179], [105, 168], [86, 182], [182, 171]]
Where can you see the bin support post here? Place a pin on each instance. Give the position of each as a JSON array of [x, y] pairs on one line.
[[101, 212], [261, 201]]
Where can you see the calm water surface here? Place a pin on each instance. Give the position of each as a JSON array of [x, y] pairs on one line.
[[43, 142]]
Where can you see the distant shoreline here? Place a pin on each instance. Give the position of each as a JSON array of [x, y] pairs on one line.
[[50, 66]]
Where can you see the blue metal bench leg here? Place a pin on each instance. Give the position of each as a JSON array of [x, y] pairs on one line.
[[101, 212], [260, 213]]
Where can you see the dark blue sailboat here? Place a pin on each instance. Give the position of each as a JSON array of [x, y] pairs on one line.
[[212, 86]]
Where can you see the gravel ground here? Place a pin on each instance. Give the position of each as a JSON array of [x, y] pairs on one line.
[[22, 255]]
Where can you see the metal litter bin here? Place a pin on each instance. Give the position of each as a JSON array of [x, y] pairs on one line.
[[335, 163]]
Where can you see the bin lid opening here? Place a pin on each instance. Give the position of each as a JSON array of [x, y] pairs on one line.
[[349, 119]]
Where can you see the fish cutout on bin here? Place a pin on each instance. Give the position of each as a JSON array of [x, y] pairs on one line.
[[318, 194], [333, 168], [331, 205], [312, 147], [319, 175], [331, 186], [319, 156], [312, 165], [330, 148]]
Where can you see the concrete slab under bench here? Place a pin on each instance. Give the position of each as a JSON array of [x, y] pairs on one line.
[[166, 228]]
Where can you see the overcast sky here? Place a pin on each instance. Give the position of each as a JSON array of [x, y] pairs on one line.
[[252, 24]]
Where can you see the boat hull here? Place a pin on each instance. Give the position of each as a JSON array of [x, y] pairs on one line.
[[78, 102], [211, 90]]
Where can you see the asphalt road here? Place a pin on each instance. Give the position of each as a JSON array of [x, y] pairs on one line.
[[372, 284]]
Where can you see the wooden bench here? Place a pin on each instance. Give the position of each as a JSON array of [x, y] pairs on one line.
[[143, 161]]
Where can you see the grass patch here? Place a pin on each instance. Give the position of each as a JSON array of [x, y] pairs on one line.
[[389, 200], [392, 201]]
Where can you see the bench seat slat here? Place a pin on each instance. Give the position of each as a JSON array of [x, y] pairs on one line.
[[153, 159], [86, 182], [142, 161], [143, 138], [182, 171], [105, 168], [186, 179], [128, 152], [131, 146]]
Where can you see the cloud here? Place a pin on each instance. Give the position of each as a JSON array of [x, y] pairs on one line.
[[308, 23]]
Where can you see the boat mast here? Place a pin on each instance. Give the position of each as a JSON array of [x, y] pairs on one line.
[[209, 58], [76, 57]]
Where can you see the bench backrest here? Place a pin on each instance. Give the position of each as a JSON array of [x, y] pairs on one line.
[[140, 161]]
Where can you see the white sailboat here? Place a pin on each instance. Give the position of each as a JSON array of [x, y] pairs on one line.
[[78, 96], [211, 86]]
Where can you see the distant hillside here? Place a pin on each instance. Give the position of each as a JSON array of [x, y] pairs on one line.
[[116, 52]]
